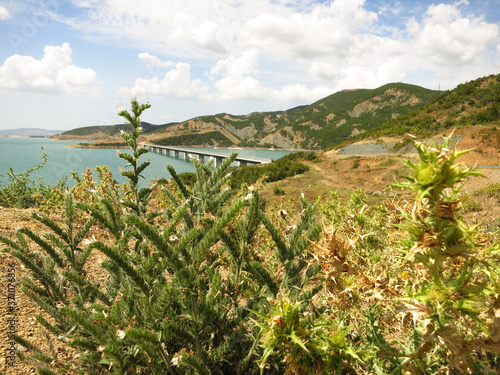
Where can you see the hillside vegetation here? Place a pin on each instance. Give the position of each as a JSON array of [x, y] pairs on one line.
[[322, 124], [472, 103], [108, 130]]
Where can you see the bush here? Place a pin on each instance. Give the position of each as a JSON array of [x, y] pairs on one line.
[[287, 166], [22, 191], [490, 191], [279, 191]]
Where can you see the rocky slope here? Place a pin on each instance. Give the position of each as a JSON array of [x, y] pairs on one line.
[[322, 124]]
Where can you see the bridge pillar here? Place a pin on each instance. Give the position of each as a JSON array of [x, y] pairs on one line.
[[242, 163], [176, 154], [218, 161]]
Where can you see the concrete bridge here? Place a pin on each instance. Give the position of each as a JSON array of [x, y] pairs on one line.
[[185, 154]]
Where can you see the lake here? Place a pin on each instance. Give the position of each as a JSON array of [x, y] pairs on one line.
[[23, 153]]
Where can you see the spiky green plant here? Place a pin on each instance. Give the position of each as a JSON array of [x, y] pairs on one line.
[[453, 303]]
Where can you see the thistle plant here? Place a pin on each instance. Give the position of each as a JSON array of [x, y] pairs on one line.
[[57, 260], [452, 303], [298, 334]]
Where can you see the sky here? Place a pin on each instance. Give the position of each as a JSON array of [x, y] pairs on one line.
[[65, 64]]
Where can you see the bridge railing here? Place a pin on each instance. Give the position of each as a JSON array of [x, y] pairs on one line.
[[186, 154]]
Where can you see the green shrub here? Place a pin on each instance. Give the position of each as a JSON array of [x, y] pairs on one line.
[[287, 166], [23, 192], [209, 138], [278, 191], [470, 205], [459, 277]]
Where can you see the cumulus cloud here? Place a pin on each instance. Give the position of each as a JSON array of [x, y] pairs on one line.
[[299, 93], [445, 36], [154, 61], [266, 48], [4, 13], [177, 83], [236, 82], [53, 74], [325, 30]]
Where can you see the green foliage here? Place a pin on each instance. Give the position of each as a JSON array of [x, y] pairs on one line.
[[22, 191], [105, 144], [177, 296], [213, 138], [489, 191], [470, 103], [400, 145], [111, 130], [308, 346], [287, 166], [136, 198], [279, 191]]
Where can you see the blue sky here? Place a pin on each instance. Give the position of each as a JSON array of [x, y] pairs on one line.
[[72, 63]]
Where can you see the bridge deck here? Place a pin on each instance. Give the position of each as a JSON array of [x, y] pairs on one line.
[[217, 156]]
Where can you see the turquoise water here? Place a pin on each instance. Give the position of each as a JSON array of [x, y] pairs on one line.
[[23, 153]]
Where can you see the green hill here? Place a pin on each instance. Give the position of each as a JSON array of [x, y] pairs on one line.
[[111, 130], [472, 103], [320, 125]]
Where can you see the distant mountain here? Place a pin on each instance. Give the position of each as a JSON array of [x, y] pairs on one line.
[[110, 130], [29, 132]]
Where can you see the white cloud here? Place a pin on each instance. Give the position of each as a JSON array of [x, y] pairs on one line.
[[53, 74], [236, 66], [4, 13], [261, 49], [236, 83], [299, 93], [326, 30], [445, 36], [183, 28], [154, 61], [176, 83]]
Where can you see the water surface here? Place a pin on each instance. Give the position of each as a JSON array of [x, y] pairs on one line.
[[23, 153]]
